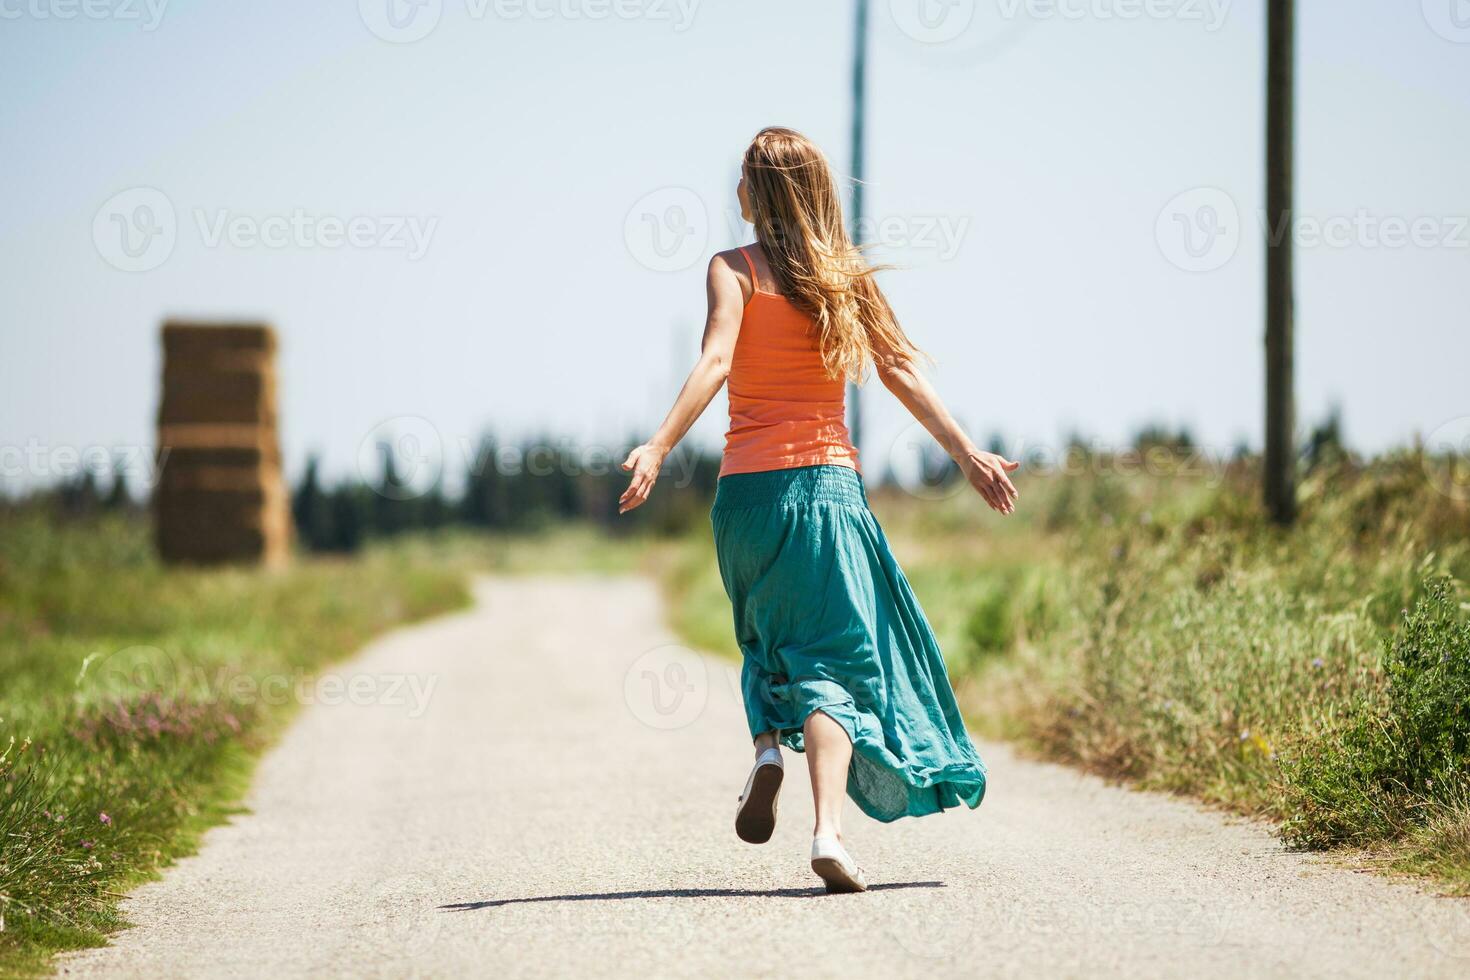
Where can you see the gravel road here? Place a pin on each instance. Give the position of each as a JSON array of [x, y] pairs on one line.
[[545, 785]]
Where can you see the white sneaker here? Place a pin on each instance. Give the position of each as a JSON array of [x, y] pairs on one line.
[[755, 817], [836, 867]]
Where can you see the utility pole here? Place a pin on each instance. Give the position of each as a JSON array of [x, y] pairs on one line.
[[1279, 476], [859, 110]]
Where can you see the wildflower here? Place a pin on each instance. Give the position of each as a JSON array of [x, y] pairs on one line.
[[1245, 734], [106, 820], [1318, 663], [86, 845]]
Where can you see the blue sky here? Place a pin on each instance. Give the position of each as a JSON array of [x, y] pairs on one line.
[[460, 228]]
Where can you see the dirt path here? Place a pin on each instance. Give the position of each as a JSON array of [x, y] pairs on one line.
[[549, 789]]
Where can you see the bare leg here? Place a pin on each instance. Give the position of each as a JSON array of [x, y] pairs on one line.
[[766, 740], [828, 752]]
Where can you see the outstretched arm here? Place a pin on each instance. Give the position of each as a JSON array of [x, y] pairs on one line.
[[721, 328], [985, 471]]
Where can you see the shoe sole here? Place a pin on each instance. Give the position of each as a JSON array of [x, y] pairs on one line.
[[755, 822], [839, 882]]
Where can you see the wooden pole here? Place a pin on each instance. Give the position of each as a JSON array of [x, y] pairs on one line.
[[859, 111], [1280, 457]]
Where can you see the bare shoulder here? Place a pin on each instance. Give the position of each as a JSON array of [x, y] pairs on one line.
[[730, 266]]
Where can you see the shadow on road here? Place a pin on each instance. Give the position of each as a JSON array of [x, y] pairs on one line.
[[679, 893]]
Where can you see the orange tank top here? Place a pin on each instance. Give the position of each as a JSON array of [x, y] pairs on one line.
[[785, 411]]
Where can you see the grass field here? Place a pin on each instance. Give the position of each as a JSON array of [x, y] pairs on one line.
[[136, 698]]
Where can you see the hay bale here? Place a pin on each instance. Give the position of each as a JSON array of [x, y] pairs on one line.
[[221, 496]]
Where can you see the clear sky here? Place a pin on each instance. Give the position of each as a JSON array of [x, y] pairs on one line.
[[537, 185]]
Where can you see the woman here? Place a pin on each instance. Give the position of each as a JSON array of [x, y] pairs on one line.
[[839, 660]]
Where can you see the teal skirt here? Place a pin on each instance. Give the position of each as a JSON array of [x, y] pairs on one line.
[[827, 622]]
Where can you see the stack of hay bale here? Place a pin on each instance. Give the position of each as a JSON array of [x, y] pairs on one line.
[[221, 496]]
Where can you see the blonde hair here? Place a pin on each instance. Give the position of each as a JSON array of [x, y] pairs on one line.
[[798, 222]]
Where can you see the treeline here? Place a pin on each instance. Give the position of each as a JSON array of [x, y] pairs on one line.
[[514, 487]]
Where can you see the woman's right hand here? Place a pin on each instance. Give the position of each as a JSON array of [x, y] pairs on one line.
[[644, 463], [987, 474]]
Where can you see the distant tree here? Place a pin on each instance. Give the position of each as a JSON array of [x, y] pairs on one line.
[[311, 510], [118, 497], [1324, 444], [1157, 436], [79, 495], [348, 523]]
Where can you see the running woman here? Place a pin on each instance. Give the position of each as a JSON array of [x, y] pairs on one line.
[[839, 661]]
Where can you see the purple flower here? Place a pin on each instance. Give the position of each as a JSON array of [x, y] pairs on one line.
[[86, 845], [1318, 663], [106, 820]]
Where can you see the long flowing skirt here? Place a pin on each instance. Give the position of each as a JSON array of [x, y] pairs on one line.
[[827, 622]]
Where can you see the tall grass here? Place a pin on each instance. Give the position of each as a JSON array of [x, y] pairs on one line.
[[1159, 629], [125, 729]]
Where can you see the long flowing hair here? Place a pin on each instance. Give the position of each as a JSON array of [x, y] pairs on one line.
[[798, 222]]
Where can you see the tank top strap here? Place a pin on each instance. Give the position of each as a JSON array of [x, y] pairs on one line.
[[755, 280]]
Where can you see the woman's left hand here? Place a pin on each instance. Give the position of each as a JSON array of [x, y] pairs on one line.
[[644, 463]]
